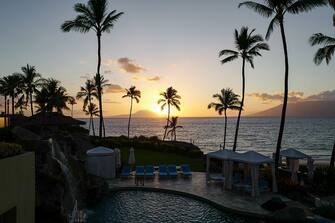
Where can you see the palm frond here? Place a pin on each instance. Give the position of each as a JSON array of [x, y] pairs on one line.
[[229, 59], [259, 8], [320, 38], [305, 6]]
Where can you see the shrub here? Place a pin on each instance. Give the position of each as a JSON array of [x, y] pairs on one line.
[[327, 210], [9, 149], [324, 181]]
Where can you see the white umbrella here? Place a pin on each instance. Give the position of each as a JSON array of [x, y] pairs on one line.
[[131, 159]]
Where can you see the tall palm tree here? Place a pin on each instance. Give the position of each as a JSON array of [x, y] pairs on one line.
[[92, 111], [277, 9], [93, 16], [100, 83], [52, 97], [4, 93], [225, 100], [173, 126], [169, 98], [72, 102], [31, 80], [14, 87], [132, 93], [248, 46], [327, 49]]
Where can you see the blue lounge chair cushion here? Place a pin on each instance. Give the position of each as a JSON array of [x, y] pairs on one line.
[[125, 171], [149, 170], [172, 170], [139, 170], [186, 170], [162, 171]]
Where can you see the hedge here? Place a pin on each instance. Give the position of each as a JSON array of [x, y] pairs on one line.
[[9, 149]]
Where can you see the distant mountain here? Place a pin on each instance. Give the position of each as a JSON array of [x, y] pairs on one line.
[[307, 109], [139, 114]]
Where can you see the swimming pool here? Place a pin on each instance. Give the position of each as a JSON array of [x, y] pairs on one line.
[[146, 206]]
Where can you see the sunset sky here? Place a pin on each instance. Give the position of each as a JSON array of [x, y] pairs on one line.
[[157, 44]]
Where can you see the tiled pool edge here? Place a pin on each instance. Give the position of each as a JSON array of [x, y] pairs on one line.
[[194, 196]]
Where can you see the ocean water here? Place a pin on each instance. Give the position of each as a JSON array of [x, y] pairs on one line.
[[314, 136]]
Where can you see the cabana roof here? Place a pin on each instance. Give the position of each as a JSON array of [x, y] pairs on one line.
[[100, 151], [293, 154], [252, 157], [224, 154]]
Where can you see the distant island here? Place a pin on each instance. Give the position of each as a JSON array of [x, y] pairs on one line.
[[138, 114], [304, 109]]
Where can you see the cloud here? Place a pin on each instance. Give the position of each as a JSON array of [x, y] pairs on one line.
[[322, 96], [136, 77], [128, 65], [115, 88], [107, 72], [85, 76], [108, 101], [154, 78], [293, 96]]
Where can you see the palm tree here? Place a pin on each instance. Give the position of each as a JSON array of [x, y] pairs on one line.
[[31, 80], [4, 93], [92, 111], [277, 10], [170, 98], [173, 126], [132, 93], [93, 16], [327, 50], [100, 83], [226, 99], [14, 87], [72, 102], [248, 46], [51, 97], [87, 93]]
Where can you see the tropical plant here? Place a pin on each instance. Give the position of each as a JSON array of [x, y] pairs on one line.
[[169, 98], [51, 97], [31, 81], [100, 83], [277, 9], [4, 93], [13, 85], [173, 126], [132, 93], [248, 46], [225, 100], [72, 102], [93, 16], [93, 111], [327, 50]]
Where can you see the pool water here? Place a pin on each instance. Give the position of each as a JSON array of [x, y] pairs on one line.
[[144, 206]]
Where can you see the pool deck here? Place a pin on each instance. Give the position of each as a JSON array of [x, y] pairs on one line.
[[196, 187]]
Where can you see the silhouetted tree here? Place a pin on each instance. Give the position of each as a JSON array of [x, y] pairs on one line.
[[327, 50], [92, 111], [72, 102], [94, 16], [14, 87], [169, 98], [5, 93], [226, 99], [132, 93], [248, 46], [31, 81], [277, 10], [173, 126]]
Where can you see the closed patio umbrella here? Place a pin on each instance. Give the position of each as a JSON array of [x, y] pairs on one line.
[[131, 159]]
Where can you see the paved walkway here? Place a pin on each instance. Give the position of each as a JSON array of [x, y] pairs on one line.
[[196, 186]]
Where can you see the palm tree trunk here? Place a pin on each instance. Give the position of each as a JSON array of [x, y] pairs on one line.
[[93, 128], [6, 111], [167, 122], [13, 104], [99, 85], [31, 103], [283, 114], [72, 110], [225, 129], [332, 159], [241, 107], [175, 135], [89, 125], [131, 108]]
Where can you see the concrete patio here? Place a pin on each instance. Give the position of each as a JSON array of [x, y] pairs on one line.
[[196, 186]]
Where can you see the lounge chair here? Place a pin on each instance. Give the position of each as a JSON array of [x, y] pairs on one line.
[[172, 169], [140, 171], [149, 171], [186, 171], [163, 171], [125, 171]]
